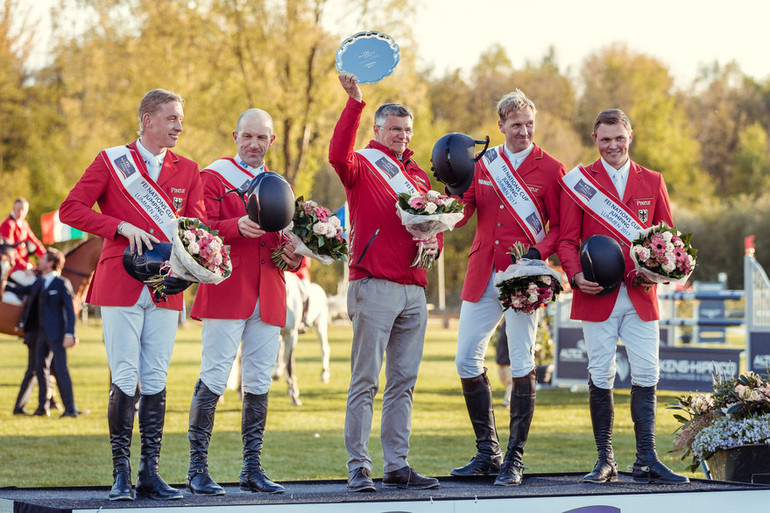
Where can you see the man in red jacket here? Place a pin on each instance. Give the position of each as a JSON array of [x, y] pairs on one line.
[[248, 308], [513, 184], [630, 198], [386, 297], [140, 188]]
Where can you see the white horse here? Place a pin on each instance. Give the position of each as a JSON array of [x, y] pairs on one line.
[[317, 317]]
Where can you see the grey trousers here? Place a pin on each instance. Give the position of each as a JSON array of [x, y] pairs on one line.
[[389, 321]]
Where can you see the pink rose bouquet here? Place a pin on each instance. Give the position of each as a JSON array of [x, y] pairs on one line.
[[316, 232], [198, 254], [662, 254], [425, 215], [528, 284]]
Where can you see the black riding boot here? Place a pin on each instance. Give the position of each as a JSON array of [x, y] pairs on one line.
[[478, 400], [253, 478], [647, 468], [602, 405], [120, 418], [152, 416], [522, 410], [202, 408]]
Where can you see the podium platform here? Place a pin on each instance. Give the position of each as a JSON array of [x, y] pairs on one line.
[[542, 493]]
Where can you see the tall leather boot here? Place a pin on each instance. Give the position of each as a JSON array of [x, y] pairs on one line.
[[120, 418], [647, 468], [253, 419], [478, 400], [152, 416], [602, 406], [522, 410], [202, 408]]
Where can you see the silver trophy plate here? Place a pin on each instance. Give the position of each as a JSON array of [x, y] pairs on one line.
[[370, 56]]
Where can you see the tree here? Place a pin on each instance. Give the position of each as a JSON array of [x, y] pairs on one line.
[[722, 101], [642, 87], [752, 165]]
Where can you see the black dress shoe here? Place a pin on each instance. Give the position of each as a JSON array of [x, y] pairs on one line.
[[69, 413], [40, 412], [656, 473], [408, 478], [21, 411], [361, 481]]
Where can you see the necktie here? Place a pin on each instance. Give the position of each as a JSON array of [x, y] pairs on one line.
[[153, 167], [617, 179]]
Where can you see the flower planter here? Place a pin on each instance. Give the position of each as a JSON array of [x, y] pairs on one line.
[[745, 463]]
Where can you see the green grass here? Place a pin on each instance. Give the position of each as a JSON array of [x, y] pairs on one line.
[[303, 442]]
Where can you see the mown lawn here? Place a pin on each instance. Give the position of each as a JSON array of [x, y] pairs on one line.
[[302, 442]]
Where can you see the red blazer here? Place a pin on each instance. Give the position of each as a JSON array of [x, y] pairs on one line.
[[254, 274], [111, 285], [647, 197], [391, 252], [497, 230], [14, 231]]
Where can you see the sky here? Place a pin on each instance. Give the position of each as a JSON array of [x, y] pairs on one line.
[[683, 34]]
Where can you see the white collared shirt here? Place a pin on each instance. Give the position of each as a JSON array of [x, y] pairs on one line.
[[154, 162], [48, 278], [244, 165], [517, 158], [618, 176]]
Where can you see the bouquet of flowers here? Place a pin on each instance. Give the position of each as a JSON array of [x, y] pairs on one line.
[[425, 215], [736, 413], [315, 232], [198, 254], [528, 284], [662, 254]]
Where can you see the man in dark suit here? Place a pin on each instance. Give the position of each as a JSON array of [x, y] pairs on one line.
[[48, 317]]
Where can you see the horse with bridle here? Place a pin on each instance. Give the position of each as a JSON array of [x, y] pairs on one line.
[[78, 269]]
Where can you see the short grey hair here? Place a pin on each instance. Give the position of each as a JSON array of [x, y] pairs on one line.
[[152, 101], [391, 109], [515, 100], [612, 117], [254, 112]]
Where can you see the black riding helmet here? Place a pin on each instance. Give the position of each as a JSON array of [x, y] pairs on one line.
[[453, 161], [148, 264], [269, 201], [602, 262]]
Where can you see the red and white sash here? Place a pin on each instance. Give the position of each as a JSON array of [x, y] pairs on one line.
[[600, 204], [233, 175], [514, 193], [153, 204], [390, 173]]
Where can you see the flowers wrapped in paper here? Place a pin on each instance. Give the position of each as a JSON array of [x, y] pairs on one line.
[[315, 232], [662, 254], [198, 255], [425, 216], [528, 284]]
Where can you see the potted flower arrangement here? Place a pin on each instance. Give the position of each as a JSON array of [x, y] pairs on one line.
[[728, 429]]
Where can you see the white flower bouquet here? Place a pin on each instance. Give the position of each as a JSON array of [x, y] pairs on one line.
[[315, 232], [736, 413], [527, 284]]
